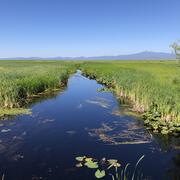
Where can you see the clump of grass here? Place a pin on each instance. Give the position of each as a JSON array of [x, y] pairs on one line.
[[23, 79], [151, 86]]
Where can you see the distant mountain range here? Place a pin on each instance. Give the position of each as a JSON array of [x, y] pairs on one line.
[[146, 55]]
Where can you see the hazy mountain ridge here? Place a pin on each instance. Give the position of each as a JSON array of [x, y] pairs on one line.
[[147, 55]]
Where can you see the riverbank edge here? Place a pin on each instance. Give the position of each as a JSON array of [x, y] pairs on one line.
[[5, 113], [156, 124]]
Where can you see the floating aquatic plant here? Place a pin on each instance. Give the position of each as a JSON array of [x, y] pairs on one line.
[[100, 174], [105, 167]]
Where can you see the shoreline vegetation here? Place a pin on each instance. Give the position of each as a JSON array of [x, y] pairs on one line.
[[153, 87], [21, 81]]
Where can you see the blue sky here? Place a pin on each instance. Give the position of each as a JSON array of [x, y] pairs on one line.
[[49, 28]]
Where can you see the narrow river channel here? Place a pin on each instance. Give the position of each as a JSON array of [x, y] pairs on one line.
[[82, 120]]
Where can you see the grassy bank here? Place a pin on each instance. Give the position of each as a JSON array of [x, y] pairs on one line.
[[152, 86], [20, 80]]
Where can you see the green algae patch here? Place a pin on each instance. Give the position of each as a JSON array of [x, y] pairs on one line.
[[14, 111]]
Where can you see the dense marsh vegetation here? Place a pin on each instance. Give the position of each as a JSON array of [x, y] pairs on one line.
[[152, 86], [20, 80]]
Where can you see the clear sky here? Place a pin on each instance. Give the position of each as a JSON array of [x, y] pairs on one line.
[[49, 28]]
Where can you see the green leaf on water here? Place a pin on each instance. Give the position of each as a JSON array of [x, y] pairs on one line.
[[80, 158], [100, 174], [88, 159], [91, 164], [164, 132]]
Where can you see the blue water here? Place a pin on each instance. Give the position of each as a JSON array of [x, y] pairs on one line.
[[82, 120]]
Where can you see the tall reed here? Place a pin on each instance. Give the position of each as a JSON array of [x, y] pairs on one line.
[[20, 80], [153, 87]]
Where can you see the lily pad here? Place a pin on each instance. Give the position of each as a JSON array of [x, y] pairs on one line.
[[92, 165], [80, 158], [100, 174], [146, 122], [177, 129], [164, 132], [88, 159]]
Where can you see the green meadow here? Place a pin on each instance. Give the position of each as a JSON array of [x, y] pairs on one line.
[[21, 80], [152, 87]]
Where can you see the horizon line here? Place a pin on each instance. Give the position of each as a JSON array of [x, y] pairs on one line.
[[82, 56]]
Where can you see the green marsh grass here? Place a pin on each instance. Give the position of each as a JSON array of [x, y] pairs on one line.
[[20, 80], [153, 87]]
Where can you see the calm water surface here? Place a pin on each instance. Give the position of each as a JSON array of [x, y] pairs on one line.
[[81, 120]]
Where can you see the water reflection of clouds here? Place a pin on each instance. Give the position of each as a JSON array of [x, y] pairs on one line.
[[80, 106], [10, 143], [5, 130], [47, 121], [71, 132], [99, 101]]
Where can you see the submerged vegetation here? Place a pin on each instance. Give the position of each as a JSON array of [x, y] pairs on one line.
[[153, 87], [118, 132], [20, 80]]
